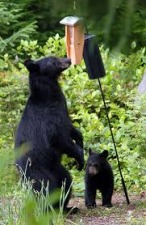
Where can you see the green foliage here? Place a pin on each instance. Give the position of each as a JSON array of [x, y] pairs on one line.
[[23, 209], [116, 23], [11, 107], [53, 46], [13, 26]]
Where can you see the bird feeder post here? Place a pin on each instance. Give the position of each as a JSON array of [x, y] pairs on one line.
[[74, 35]]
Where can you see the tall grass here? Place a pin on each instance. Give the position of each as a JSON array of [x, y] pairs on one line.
[[23, 208]]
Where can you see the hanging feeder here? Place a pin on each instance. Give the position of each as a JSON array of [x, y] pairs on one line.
[[74, 35], [92, 58]]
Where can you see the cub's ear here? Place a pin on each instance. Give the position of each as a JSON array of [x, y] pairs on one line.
[[104, 154], [31, 65], [90, 151]]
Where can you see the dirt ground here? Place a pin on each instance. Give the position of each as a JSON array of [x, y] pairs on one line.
[[119, 214]]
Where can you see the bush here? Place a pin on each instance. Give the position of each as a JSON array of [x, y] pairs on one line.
[[13, 26]]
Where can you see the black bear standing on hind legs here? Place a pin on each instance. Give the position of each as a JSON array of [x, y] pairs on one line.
[[46, 128], [99, 175]]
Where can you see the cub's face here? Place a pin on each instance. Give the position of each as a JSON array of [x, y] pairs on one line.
[[95, 161], [93, 165], [47, 66]]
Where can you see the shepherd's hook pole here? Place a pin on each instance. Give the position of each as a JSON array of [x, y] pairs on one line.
[[110, 127]]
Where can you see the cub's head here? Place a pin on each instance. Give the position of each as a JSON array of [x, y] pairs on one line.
[[95, 162], [47, 66]]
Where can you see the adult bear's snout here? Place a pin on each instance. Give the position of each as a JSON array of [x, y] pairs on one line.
[[65, 63]]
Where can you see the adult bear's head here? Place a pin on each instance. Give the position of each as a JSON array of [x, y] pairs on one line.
[[47, 66]]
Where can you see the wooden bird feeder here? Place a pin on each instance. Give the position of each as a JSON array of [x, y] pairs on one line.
[[74, 35]]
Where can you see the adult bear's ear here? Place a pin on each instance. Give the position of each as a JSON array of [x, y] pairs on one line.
[[31, 65], [104, 154]]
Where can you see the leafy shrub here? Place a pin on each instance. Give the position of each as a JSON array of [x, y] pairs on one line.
[[13, 26]]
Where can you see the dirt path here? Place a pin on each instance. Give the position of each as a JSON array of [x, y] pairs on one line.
[[119, 214]]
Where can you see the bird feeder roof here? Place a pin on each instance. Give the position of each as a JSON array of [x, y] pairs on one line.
[[70, 20]]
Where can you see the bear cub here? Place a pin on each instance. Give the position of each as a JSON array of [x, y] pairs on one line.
[[99, 175]]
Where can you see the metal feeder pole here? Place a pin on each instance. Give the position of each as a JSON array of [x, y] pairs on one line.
[[95, 69]]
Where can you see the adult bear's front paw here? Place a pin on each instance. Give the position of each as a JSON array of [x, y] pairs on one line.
[[80, 159]]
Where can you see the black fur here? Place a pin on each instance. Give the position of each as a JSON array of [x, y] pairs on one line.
[[46, 129], [99, 176]]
